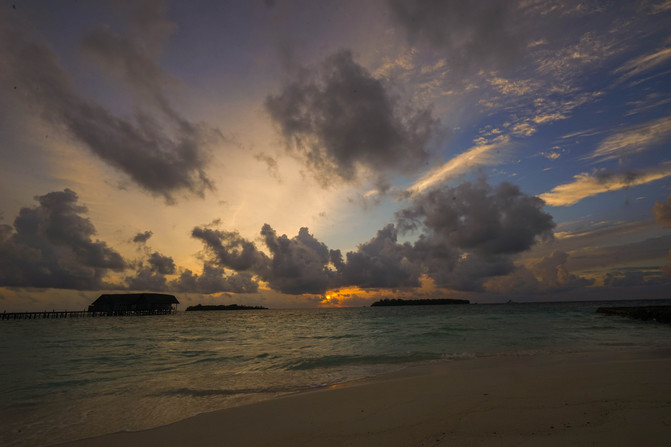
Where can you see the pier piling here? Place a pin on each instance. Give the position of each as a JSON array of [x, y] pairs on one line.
[[78, 314]]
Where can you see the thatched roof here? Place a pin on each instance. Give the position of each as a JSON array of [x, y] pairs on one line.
[[129, 299]]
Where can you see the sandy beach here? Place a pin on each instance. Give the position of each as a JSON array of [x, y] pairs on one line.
[[608, 398]]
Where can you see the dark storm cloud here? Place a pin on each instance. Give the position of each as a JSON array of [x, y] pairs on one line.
[[297, 265], [471, 271], [381, 262], [469, 231], [147, 279], [339, 119], [231, 250], [454, 268], [142, 238], [51, 245], [477, 217], [213, 279], [662, 211], [162, 161], [467, 234], [161, 264], [436, 258], [471, 34]]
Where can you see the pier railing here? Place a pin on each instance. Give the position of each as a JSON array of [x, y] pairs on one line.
[[79, 314]]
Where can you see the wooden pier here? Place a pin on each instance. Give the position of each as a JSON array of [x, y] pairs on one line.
[[78, 314]]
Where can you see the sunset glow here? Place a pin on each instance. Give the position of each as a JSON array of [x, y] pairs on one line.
[[306, 154]]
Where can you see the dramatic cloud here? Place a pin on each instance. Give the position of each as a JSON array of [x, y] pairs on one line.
[[381, 262], [586, 185], [152, 275], [662, 211], [304, 265], [161, 264], [298, 265], [467, 272], [161, 160], [214, 279], [231, 250], [472, 34], [51, 246], [470, 230], [467, 235], [295, 266], [146, 279], [340, 120], [479, 218]]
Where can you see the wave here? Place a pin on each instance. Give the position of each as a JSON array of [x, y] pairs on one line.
[[331, 361], [194, 392]]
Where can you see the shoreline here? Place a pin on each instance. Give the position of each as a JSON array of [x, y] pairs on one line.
[[618, 397]]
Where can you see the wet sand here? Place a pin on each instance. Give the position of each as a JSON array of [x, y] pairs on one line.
[[609, 398]]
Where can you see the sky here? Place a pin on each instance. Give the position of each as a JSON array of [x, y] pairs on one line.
[[303, 154]]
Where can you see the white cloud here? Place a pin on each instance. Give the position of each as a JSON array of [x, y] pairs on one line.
[[582, 133], [548, 118], [523, 129], [404, 62], [483, 153], [644, 63], [553, 154], [632, 140], [515, 88], [586, 185], [649, 102], [563, 64]]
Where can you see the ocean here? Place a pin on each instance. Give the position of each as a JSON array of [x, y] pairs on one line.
[[65, 379]]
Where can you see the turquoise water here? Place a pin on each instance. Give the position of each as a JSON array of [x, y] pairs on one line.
[[65, 379]]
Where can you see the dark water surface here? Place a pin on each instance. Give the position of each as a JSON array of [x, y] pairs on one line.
[[64, 379]]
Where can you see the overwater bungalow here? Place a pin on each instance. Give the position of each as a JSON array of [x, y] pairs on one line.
[[134, 302]]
